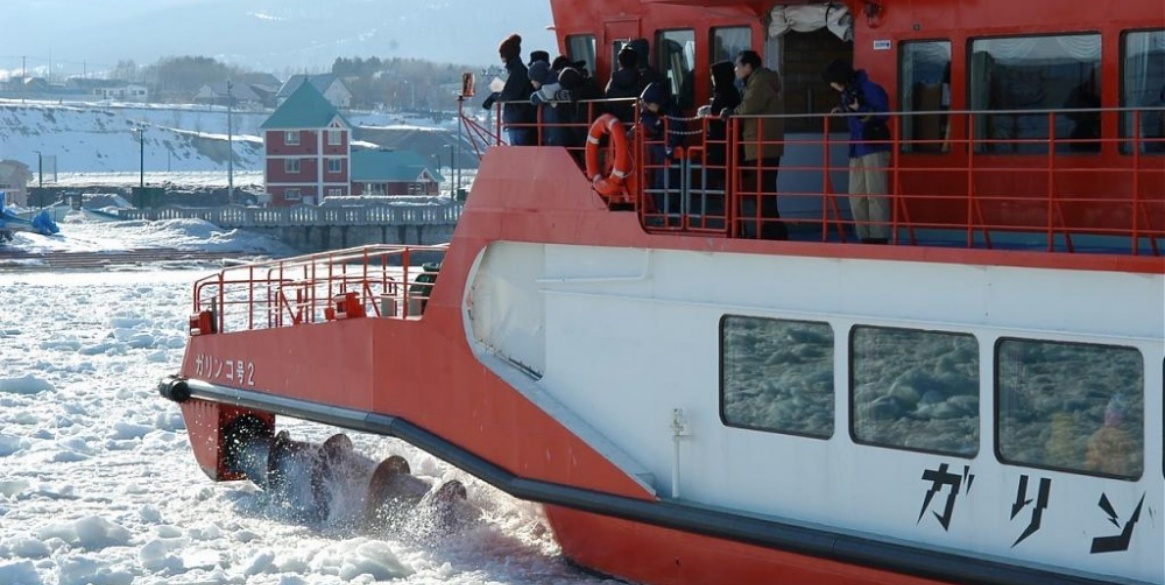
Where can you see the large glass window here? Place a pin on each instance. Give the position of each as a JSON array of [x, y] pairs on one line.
[[1039, 74], [913, 389], [777, 375], [676, 60], [728, 42], [1143, 88], [582, 48], [925, 80], [1070, 406]]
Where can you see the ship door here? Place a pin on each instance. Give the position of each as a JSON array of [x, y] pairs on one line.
[[616, 34], [800, 42]]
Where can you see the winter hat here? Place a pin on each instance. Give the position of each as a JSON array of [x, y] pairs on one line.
[[511, 47], [561, 62], [839, 71], [723, 74], [628, 58], [541, 73], [570, 78], [654, 94], [536, 56]]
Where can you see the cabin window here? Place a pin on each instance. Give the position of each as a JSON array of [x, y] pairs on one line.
[[335, 165], [916, 390], [1142, 87], [582, 48], [676, 60], [291, 138], [1040, 74], [335, 138], [335, 192], [1070, 406], [291, 165], [728, 42], [777, 375], [292, 195], [925, 78]]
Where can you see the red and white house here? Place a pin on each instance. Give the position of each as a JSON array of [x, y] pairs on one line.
[[308, 150]]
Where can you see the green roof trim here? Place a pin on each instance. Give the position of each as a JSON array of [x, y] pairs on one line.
[[306, 108], [390, 166]]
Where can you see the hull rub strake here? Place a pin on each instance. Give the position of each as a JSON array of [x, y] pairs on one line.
[[791, 538]]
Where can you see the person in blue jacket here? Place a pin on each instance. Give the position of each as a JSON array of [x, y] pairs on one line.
[[866, 103], [517, 113]]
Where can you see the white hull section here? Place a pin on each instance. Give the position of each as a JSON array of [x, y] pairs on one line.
[[613, 342]]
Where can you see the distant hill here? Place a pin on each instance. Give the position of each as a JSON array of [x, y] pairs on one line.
[[273, 35]]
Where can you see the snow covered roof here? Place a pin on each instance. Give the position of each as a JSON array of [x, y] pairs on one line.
[[306, 108]]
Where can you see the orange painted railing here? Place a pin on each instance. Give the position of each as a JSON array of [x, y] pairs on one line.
[[374, 281], [1054, 192]]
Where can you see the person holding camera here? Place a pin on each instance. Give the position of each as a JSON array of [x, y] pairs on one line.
[[869, 149]]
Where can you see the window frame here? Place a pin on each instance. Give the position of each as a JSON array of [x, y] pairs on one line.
[[833, 371], [339, 164], [712, 40], [1125, 140], [978, 146], [852, 395], [292, 166], [292, 194], [664, 68], [905, 120], [291, 138], [591, 42], [337, 134], [997, 427]]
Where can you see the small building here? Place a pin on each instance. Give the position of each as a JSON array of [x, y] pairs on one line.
[[307, 145], [239, 95], [14, 178], [330, 86], [131, 92], [393, 172]]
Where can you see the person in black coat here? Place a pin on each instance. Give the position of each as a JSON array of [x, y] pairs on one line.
[[626, 82], [725, 96], [517, 113]]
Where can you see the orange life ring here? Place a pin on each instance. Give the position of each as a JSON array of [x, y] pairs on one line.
[[612, 187]]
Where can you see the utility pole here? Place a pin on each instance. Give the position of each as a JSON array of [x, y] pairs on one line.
[[230, 144], [142, 158]]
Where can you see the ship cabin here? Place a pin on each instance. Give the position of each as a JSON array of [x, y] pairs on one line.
[[1013, 125]]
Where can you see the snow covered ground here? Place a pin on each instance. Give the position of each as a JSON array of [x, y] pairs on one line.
[[98, 484]]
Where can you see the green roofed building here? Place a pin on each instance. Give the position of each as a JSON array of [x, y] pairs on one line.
[[308, 150], [393, 172]]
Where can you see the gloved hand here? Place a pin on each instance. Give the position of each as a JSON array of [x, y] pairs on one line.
[[489, 101]]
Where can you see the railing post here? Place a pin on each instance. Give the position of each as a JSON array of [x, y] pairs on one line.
[[1137, 183]]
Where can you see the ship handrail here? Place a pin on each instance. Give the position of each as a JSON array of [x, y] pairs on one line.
[[309, 288], [1038, 188]]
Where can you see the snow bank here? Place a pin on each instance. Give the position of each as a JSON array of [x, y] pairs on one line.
[[19, 573]]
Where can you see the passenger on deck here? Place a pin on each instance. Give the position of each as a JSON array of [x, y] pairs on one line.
[[545, 96], [725, 99], [536, 56], [517, 115], [625, 83], [663, 131], [763, 139], [577, 106], [1111, 447], [869, 149]]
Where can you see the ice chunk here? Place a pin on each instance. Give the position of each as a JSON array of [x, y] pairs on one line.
[[28, 384], [19, 573]]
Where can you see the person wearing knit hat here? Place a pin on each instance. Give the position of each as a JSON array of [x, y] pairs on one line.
[[536, 56], [865, 104], [517, 114], [545, 98], [626, 82]]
